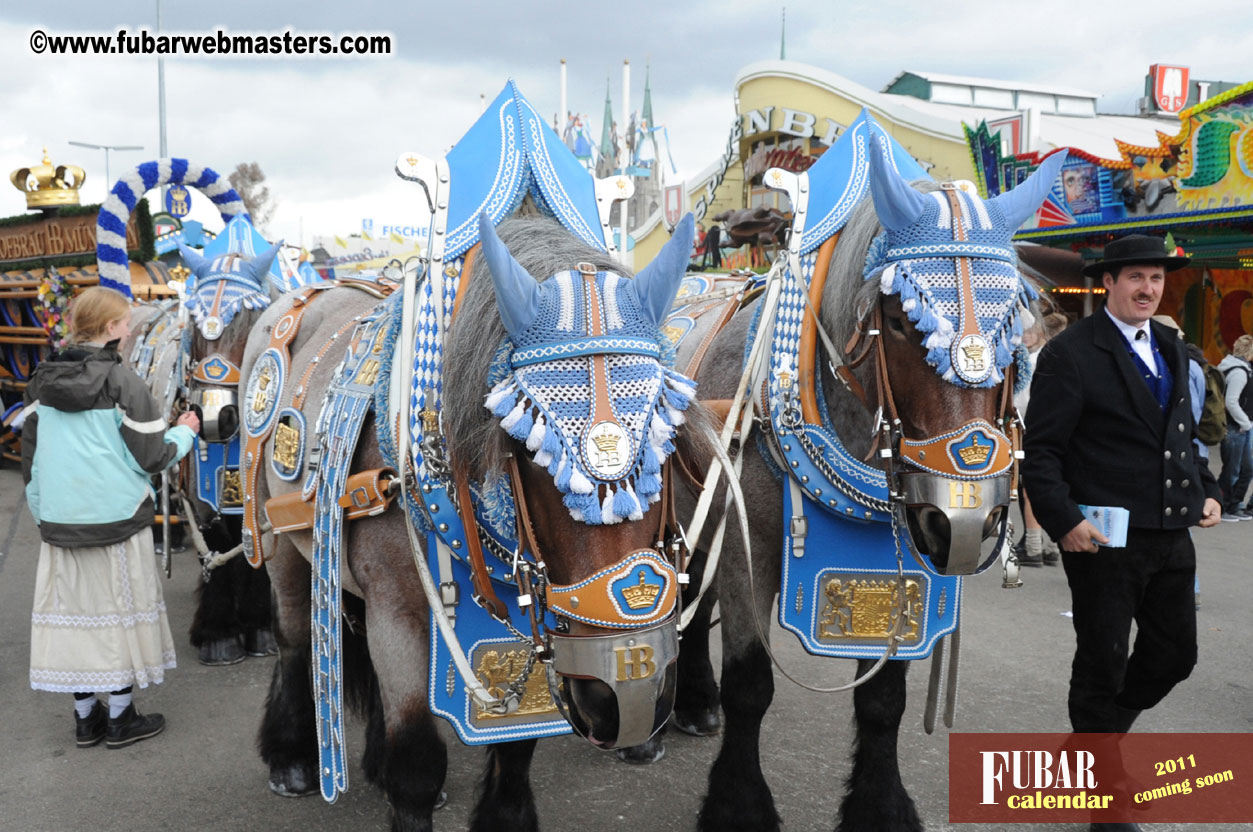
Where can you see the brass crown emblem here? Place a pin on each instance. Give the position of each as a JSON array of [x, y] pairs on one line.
[[48, 186], [606, 443], [976, 454], [642, 595]]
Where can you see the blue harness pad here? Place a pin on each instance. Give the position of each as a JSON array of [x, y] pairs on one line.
[[211, 461], [839, 596], [497, 658]]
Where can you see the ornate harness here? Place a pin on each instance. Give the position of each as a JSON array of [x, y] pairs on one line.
[[865, 602], [477, 537]]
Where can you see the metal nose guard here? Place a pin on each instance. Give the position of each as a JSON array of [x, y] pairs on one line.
[[633, 664], [219, 412], [967, 504]]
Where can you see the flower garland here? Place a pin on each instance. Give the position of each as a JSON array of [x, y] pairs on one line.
[[54, 297]]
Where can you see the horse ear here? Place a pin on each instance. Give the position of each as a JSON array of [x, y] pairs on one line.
[[1024, 200], [897, 204], [260, 265], [517, 293], [194, 260], [657, 283]]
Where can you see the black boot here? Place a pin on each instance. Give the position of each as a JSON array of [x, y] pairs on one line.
[[90, 730], [132, 726]]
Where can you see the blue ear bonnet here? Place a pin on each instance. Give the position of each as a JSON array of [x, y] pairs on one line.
[[242, 282], [544, 390], [561, 325], [917, 263]]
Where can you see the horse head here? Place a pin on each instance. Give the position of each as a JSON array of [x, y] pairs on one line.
[[580, 383], [948, 313], [225, 294]]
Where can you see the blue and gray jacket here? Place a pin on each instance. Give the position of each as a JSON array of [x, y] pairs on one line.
[[93, 438]]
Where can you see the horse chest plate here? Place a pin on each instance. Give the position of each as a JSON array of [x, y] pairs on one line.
[[216, 470], [498, 659], [840, 592]]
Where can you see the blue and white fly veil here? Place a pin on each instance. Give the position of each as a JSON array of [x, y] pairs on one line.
[[242, 281], [583, 377], [915, 259]]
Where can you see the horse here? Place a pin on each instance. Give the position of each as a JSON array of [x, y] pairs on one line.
[[531, 278], [225, 298], [898, 382]]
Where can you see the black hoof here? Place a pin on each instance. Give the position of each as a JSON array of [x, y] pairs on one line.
[[643, 754], [221, 652], [699, 723], [294, 781], [260, 642]]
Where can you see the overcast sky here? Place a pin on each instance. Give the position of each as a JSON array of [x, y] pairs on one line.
[[327, 131]]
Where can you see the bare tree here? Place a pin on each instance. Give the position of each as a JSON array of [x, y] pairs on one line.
[[249, 182]]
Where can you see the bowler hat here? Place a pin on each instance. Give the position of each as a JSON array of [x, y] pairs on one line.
[[1135, 249]]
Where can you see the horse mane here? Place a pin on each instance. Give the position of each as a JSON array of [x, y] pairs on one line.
[[544, 248]]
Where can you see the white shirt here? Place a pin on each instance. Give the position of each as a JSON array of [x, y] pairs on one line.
[[1140, 338]]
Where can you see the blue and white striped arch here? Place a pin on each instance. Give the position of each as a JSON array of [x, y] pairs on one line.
[[115, 213]]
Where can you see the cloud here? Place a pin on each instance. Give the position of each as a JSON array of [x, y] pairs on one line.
[[327, 131]]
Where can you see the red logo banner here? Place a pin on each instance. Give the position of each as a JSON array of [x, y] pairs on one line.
[[1100, 778], [1170, 87]]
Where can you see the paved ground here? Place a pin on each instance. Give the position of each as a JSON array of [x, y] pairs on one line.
[[203, 772]]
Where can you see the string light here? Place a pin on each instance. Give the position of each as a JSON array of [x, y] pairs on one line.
[[1077, 290]]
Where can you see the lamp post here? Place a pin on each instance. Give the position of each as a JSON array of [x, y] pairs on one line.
[[106, 148]]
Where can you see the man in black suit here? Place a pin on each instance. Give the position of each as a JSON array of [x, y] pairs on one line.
[[1110, 424]]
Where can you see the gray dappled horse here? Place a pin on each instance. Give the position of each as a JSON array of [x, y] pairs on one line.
[[928, 405], [386, 647]]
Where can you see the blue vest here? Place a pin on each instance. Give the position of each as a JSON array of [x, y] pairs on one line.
[[1161, 384]]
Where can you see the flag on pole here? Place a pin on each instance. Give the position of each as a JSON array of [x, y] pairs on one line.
[[340, 241], [396, 238]]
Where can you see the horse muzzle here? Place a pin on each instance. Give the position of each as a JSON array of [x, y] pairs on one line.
[[949, 520], [218, 411], [954, 496], [616, 690]]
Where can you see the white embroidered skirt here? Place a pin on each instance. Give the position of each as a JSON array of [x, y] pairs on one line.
[[99, 618]]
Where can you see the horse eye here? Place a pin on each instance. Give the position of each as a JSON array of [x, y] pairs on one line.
[[896, 324]]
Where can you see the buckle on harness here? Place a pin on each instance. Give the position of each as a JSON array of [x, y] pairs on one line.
[[450, 593], [359, 497], [799, 529]]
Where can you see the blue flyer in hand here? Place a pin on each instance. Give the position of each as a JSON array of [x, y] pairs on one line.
[[1112, 522]]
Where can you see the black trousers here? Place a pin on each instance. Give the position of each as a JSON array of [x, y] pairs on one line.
[[1151, 582]]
